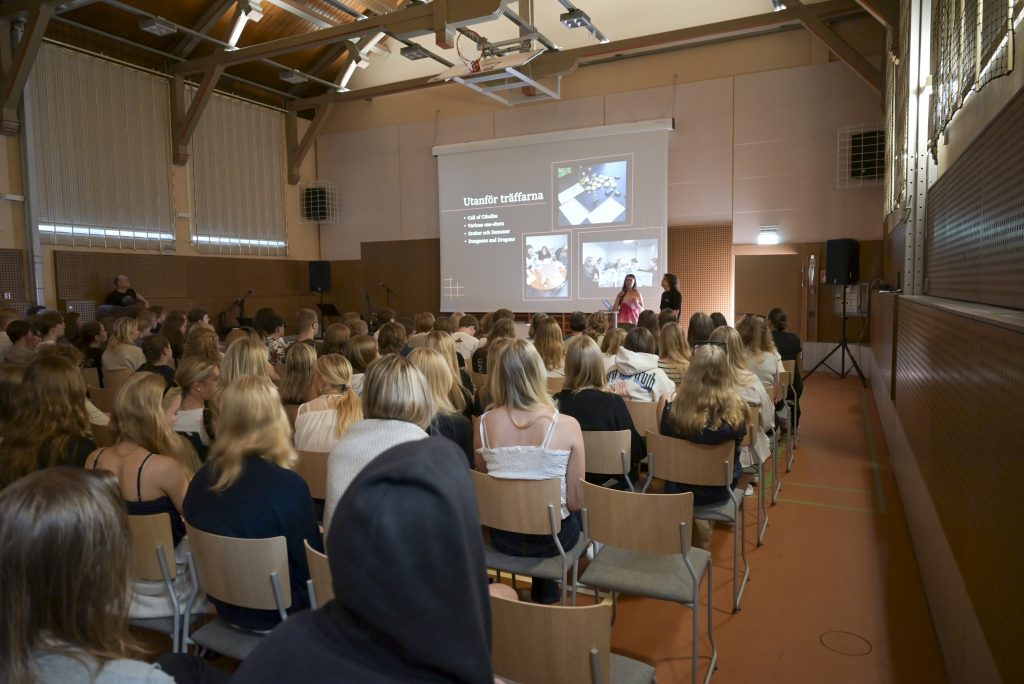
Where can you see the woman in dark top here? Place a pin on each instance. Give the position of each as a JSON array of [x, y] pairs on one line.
[[585, 396], [504, 328], [449, 401], [50, 426], [789, 347], [247, 489], [671, 298], [159, 357], [699, 329], [90, 341]]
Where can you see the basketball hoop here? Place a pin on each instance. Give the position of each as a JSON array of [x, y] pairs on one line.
[[472, 62]]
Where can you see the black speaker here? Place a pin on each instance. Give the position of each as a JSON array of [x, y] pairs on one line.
[[319, 276], [314, 204], [842, 261]]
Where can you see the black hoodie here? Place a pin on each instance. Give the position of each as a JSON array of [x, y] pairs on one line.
[[407, 564]]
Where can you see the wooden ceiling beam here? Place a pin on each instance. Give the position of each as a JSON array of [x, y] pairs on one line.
[[885, 12], [184, 121], [839, 47], [299, 148], [213, 14], [19, 66]]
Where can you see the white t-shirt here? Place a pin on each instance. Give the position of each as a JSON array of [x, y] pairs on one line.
[[465, 344], [192, 421]]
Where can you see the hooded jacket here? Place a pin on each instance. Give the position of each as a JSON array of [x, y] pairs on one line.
[[636, 376], [407, 564]]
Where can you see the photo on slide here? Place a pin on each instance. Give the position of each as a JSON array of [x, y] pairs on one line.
[[546, 265], [593, 192], [604, 264]]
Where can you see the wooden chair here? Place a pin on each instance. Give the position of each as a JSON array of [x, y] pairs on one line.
[[312, 466], [250, 573], [608, 453], [102, 397], [320, 584], [91, 376], [292, 410], [527, 507], [102, 435], [676, 460], [647, 552], [151, 558], [645, 415], [555, 384], [556, 644], [793, 402], [479, 379], [113, 379], [785, 384], [753, 426]]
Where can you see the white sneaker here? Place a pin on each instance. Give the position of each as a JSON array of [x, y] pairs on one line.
[[749, 491]]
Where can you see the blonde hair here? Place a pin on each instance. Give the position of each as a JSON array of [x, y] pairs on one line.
[[755, 334], [336, 373], [674, 349], [241, 334], [202, 342], [193, 370], [138, 417], [244, 357], [395, 389], [707, 396], [443, 343], [335, 338], [251, 422], [549, 345], [584, 366], [121, 332], [733, 346], [518, 378], [613, 339], [446, 391], [300, 364]]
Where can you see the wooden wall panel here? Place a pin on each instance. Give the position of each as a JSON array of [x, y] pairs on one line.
[[960, 381], [411, 268], [766, 281], [701, 256], [12, 277]]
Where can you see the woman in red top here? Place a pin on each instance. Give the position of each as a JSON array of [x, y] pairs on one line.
[[629, 302]]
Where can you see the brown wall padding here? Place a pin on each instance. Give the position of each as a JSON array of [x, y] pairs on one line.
[[960, 383], [411, 268], [184, 282], [12, 276], [883, 336], [701, 256], [975, 244], [893, 255], [766, 281]]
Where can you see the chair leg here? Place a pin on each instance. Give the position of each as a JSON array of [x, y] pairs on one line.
[[713, 665], [696, 632], [761, 509], [790, 437], [776, 480], [743, 554]]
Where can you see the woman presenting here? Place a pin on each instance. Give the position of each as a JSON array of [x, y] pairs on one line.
[[629, 302]]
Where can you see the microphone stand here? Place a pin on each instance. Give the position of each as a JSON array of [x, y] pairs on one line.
[[387, 294]]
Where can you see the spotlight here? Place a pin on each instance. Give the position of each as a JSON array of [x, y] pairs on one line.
[[158, 26], [576, 18], [778, 5], [414, 51], [294, 77], [768, 235]]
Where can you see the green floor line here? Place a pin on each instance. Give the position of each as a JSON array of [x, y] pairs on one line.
[[840, 507], [821, 486], [876, 473]]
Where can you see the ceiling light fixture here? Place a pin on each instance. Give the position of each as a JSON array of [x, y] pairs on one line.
[[414, 51], [236, 31], [577, 18], [158, 26], [251, 9], [294, 77], [768, 235], [778, 5]]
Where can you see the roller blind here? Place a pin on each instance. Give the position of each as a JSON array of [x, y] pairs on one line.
[[98, 152]]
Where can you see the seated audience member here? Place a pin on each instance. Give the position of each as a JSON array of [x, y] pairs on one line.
[[383, 317], [10, 396], [23, 343], [68, 352], [718, 320], [761, 357], [241, 334], [300, 366], [92, 337], [585, 396], [50, 426], [146, 320], [196, 317], [320, 423], [358, 327], [62, 575], [361, 352], [502, 329], [675, 353], [449, 401], [501, 314], [535, 321], [523, 437], [456, 316], [260, 323], [276, 346], [161, 316], [597, 326], [307, 325], [482, 398], [577, 324], [247, 490], [485, 326], [752, 391], [648, 319], [174, 330], [788, 346], [198, 379], [159, 357], [443, 343], [123, 295], [335, 338], [49, 327], [408, 324], [613, 339], [465, 336], [551, 348], [635, 374], [706, 409], [419, 503], [423, 323], [6, 317], [203, 343], [391, 338], [121, 351], [699, 329], [667, 316], [397, 408], [444, 324]]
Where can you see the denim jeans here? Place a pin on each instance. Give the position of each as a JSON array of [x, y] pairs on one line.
[[541, 546]]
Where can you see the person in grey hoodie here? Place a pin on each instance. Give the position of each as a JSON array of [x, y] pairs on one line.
[[635, 374]]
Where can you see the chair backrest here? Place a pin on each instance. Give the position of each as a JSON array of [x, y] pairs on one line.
[[293, 411], [320, 574], [785, 378], [237, 571], [678, 460], [479, 379], [91, 377], [607, 451], [113, 379], [549, 644], [102, 397], [648, 523], [150, 534], [644, 414], [312, 466], [753, 423], [517, 505], [790, 367], [103, 435], [555, 384]]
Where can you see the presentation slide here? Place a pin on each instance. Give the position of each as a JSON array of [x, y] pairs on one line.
[[553, 221]]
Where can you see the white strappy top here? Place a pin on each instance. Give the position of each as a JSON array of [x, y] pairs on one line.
[[526, 462]]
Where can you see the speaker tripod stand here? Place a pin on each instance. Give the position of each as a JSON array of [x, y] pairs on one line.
[[844, 350]]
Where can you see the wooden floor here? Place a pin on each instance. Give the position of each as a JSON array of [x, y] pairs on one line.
[[835, 594]]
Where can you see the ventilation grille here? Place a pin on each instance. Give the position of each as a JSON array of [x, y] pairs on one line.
[[860, 156], [318, 202]]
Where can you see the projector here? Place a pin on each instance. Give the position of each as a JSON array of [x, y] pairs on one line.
[[294, 77], [413, 51], [576, 18], [158, 26]]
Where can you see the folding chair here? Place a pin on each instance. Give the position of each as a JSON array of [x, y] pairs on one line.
[[113, 379], [748, 441], [676, 460], [794, 407], [102, 397], [785, 383], [312, 467], [151, 545], [608, 453], [319, 584], [647, 552], [555, 384], [645, 415], [91, 376]]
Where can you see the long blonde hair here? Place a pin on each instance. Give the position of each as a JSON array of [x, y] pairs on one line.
[[584, 366], [251, 423], [613, 339], [394, 389], [191, 371], [673, 346], [300, 365], [336, 373], [443, 343], [733, 346], [244, 357], [138, 417], [549, 345], [518, 378], [121, 332], [707, 396], [755, 334], [447, 392]]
